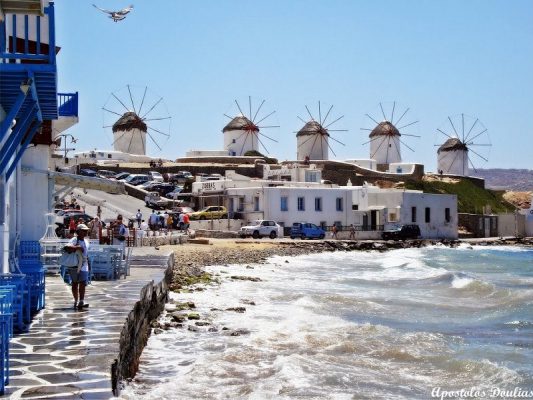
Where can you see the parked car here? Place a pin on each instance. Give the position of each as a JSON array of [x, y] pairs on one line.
[[88, 172], [105, 173], [305, 230], [156, 176], [261, 228], [174, 193], [402, 232], [154, 200], [120, 176], [210, 212], [181, 177], [136, 179]]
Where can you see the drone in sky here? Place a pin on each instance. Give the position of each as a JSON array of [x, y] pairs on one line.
[[116, 15]]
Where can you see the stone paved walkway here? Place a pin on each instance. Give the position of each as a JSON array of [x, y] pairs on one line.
[[67, 354]]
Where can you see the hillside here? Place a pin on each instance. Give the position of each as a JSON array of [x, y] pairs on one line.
[[470, 198], [518, 180]]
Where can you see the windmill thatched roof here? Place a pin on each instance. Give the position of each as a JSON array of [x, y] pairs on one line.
[[384, 128], [312, 128], [240, 123], [128, 122], [452, 144]]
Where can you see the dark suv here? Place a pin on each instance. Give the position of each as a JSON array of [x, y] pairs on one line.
[[402, 232]]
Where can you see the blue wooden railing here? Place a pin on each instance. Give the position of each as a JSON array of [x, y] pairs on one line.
[[24, 53], [68, 104]]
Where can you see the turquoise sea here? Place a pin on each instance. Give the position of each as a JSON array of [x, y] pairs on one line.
[[403, 324]]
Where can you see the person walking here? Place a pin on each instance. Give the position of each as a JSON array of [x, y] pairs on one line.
[[170, 222], [95, 228], [334, 231], [152, 221], [120, 232], [186, 222], [79, 275], [352, 231], [139, 217], [72, 226]]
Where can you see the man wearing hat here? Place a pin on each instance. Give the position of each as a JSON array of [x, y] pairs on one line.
[[79, 274]]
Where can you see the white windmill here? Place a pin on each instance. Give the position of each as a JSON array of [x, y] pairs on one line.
[[242, 133], [147, 116], [385, 136], [465, 135], [313, 139]]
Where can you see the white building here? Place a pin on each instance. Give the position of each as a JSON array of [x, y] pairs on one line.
[[369, 208], [103, 157]]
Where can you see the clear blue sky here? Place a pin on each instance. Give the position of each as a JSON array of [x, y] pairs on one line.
[[439, 58]]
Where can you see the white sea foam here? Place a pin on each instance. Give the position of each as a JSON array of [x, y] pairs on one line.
[[460, 282], [334, 326]]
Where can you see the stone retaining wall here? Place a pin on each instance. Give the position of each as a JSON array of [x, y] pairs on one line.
[[136, 329]]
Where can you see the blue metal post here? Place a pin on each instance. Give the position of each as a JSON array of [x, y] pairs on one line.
[[14, 139], [52, 34], [31, 134], [6, 123]]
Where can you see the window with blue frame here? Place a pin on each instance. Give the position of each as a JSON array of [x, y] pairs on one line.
[[339, 204], [301, 203], [284, 203]]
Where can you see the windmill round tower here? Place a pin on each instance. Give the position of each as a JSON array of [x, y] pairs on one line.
[[386, 136], [467, 141], [452, 157], [145, 116], [242, 133], [313, 139], [312, 142], [129, 134], [240, 136], [385, 143]]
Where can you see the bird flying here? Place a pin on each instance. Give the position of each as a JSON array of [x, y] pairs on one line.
[[116, 15]]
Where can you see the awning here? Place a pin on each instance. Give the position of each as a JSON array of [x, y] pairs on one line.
[[371, 208]]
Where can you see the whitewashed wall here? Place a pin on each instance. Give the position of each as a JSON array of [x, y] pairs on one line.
[[244, 142], [453, 162], [313, 146], [386, 150], [34, 193], [133, 141]]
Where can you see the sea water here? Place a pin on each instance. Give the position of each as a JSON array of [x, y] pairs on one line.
[[402, 324]]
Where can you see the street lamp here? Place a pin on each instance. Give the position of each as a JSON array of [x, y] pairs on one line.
[[72, 140]]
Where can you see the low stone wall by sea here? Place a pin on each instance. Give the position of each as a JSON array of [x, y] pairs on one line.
[[137, 328]]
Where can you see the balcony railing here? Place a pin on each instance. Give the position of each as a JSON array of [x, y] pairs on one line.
[[68, 104], [16, 46]]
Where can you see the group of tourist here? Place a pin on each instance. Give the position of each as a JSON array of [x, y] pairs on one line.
[[158, 221]]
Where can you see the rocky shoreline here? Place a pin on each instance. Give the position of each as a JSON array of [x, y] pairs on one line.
[[189, 266]]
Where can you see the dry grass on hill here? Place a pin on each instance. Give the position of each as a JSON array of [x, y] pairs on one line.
[[519, 199]]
